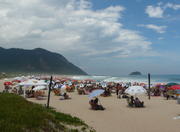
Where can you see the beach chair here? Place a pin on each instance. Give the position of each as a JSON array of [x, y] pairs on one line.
[[57, 92], [40, 95], [129, 103]]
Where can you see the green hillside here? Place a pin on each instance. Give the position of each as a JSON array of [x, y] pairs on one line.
[[36, 60], [19, 115]]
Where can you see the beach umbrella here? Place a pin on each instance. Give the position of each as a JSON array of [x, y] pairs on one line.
[[89, 80], [171, 84], [160, 84], [33, 82], [81, 85], [178, 91], [63, 88], [135, 90], [95, 93], [103, 84], [39, 88], [16, 81], [58, 86], [7, 83], [174, 87]]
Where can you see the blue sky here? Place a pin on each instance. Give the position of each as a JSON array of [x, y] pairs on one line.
[[134, 15], [103, 37]]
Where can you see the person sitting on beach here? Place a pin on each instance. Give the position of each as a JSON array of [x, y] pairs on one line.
[[6, 88], [131, 101], [94, 104], [106, 92], [119, 93], [138, 103], [30, 93], [117, 90], [66, 96]]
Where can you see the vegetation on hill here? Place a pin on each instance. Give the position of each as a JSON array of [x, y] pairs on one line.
[[135, 73], [20, 115], [36, 60]]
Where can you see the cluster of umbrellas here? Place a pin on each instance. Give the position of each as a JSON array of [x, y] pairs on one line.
[[133, 90], [175, 88], [26, 82], [41, 84]]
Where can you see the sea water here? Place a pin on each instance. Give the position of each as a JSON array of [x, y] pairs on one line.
[[130, 78]]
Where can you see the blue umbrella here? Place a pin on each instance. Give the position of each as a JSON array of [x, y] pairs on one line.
[[95, 93]]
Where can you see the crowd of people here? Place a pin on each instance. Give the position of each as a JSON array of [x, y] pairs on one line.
[[86, 87]]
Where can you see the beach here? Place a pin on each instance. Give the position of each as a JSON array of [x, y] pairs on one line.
[[157, 115]]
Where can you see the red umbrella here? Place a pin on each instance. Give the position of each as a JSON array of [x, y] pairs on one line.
[[89, 80], [7, 83], [175, 87], [160, 84], [16, 81]]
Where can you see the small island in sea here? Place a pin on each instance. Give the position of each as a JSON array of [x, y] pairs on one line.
[[136, 73]]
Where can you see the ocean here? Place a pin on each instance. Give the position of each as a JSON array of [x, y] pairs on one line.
[[128, 78]]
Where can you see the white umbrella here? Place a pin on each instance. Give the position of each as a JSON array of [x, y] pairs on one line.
[[63, 88], [103, 85], [57, 86], [39, 88], [95, 93], [135, 90], [81, 85], [33, 82]]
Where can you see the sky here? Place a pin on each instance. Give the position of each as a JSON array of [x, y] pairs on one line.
[[103, 37]]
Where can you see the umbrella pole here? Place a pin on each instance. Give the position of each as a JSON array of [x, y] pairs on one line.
[[24, 92], [49, 91], [99, 102], [149, 85]]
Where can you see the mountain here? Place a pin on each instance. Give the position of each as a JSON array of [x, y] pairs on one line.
[[135, 73], [36, 60]]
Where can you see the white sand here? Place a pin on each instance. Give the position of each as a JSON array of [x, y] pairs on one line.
[[157, 116]]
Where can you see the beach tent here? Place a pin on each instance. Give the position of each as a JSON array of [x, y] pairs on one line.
[[135, 90]]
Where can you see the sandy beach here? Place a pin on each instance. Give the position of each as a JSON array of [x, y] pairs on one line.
[[157, 116]]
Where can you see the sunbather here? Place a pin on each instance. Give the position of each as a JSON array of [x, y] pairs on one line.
[[138, 103], [65, 96], [94, 104]]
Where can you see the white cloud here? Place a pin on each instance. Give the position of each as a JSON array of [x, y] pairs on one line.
[[172, 6], [156, 12], [160, 38], [158, 29], [68, 26]]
